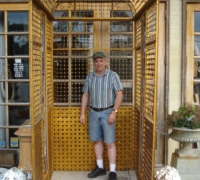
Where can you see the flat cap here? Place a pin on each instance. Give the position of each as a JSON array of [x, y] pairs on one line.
[[98, 54]]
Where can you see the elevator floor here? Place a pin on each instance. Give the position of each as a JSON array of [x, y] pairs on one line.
[[82, 175]]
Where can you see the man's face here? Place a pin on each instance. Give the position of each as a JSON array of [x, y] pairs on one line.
[[99, 64]]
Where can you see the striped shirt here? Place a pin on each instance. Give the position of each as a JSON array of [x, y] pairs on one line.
[[101, 89]]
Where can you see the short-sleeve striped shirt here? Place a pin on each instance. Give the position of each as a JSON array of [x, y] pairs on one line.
[[102, 89]]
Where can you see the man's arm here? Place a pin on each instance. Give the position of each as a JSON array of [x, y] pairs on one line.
[[84, 103], [118, 101]]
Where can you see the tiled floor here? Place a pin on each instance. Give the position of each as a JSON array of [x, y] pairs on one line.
[[82, 175]]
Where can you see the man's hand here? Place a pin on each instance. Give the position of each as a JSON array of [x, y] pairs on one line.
[[82, 119], [112, 117]]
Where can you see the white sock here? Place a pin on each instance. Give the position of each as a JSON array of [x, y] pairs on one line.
[[112, 167], [100, 163]]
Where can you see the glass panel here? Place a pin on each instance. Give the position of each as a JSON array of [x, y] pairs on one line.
[[61, 92], [18, 114], [2, 44], [60, 53], [79, 68], [18, 92], [196, 45], [121, 41], [123, 67], [18, 69], [60, 14], [2, 69], [18, 45], [2, 92], [197, 68], [83, 13], [121, 26], [2, 84], [121, 53], [197, 22], [127, 92], [60, 41], [14, 140], [82, 41], [2, 116], [1, 21], [60, 68], [60, 26], [82, 26], [17, 21], [196, 92], [77, 92], [2, 138], [81, 53]]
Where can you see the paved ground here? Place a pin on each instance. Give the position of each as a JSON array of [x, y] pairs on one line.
[[82, 175]]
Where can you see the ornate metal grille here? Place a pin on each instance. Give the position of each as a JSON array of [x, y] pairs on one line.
[[73, 151]]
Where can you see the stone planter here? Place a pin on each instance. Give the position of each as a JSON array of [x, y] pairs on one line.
[[186, 137]]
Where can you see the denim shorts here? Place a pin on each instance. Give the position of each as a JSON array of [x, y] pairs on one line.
[[99, 128]]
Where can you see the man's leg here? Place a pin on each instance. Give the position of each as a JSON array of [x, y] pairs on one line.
[[112, 156], [99, 170], [98, 148], [112, 159]]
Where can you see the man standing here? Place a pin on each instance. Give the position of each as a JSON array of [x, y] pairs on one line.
[[104, 90]]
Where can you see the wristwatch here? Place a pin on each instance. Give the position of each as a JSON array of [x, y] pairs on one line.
[[115, 110]]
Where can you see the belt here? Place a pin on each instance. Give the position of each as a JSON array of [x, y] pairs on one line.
[[101, 109]]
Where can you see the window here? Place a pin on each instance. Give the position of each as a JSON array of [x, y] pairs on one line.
[[14, 75]]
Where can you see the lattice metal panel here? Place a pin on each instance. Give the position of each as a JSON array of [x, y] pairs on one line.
[[37, 65], [151, 24], [123, 67], [79, 68], [60, 41], [61, 90], [77, 93], [138, 78], [60, 68], [72, 149], [147, 150], [49, 64], [138, 35], [150, 81], [38, 150]]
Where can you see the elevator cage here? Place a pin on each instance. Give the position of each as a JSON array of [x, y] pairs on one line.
[[56, 41]]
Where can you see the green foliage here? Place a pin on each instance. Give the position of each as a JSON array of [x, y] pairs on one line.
[[187, 116]]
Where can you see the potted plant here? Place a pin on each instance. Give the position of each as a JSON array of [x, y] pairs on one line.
[[185, 125]]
